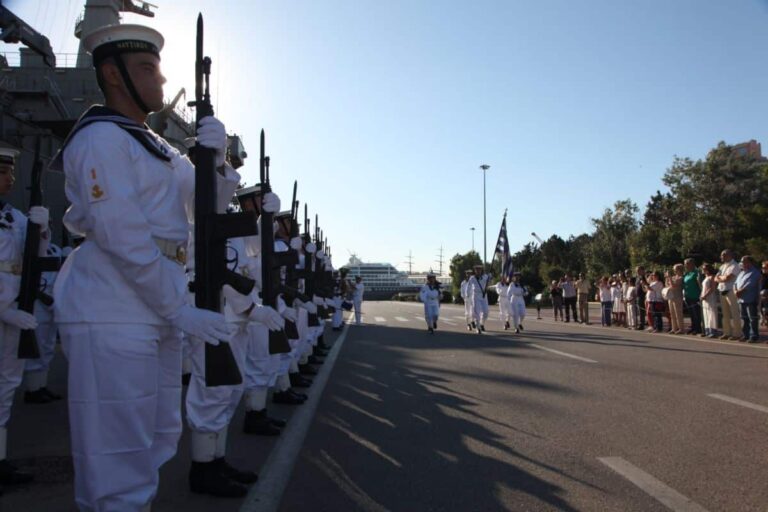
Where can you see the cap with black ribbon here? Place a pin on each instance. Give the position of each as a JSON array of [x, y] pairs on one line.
[[8, 156], [116, 40]]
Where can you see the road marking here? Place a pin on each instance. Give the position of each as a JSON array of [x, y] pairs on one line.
[[652, 486], [459, 318], [266, 493], [564, 354], [449, 322], [380, 319], [736, 401], [401, 319]]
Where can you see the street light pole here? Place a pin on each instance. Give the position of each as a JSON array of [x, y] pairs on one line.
[[473, 238], [484, 168]]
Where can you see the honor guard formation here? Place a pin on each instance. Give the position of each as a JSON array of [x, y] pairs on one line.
[[180, 275]]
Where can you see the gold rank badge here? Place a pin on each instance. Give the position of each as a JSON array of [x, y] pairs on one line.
[[97, 191]]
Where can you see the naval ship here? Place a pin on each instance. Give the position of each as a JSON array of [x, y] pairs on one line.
[[42, 94], [382, 280]]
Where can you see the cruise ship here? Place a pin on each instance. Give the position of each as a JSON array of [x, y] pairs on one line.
[[382, 280]]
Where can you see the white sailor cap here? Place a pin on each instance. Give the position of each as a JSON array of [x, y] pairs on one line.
[[116, 39], [8, 156]]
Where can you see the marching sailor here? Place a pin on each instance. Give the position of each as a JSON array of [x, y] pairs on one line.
[[464, 289], [13, 231], [502, 290], [430, 296], [120, 298], [357, 298], [517, 293], [477, 289]]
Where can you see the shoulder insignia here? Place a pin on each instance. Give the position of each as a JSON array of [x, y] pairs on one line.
[[97, 191]]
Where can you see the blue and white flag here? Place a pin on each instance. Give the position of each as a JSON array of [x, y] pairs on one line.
[[502, 250]]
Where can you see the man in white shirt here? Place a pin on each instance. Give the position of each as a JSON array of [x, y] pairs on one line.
[[357, 298], [726, 279]]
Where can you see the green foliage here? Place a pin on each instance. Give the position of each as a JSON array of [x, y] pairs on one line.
[[459, 264], [609, 250]]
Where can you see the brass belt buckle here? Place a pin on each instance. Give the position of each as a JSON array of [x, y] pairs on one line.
[[181, 254]]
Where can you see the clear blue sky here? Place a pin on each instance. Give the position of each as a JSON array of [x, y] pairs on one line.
[[384, 110]]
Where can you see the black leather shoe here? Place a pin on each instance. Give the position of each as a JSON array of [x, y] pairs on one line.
[[209, 478], [286, 398], [469, 327], [314, 360], [298, 381], [298, 394], [305, 369], [185, 378], [257, 423], [506, 326], [51, 394], [482, 328], [238, 475], [278, 422], [520, 327], [11, 475], [37, 397]]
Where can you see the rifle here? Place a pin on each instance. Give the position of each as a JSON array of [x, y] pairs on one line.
[[278, 341], [212, 230], [32, 265]]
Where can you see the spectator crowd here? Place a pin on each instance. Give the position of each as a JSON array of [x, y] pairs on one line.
[[728, 301]]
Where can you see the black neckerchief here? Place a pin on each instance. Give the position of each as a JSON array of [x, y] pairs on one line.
[[101, 114], [482, 288]]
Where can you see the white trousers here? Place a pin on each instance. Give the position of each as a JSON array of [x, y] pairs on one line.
[[210, 409], [517, 309], [431, 313], [124, 410], [468, 309], [480, 310], [261, 368], [11, 369], [358, 309], [338, 315], [504, 309]]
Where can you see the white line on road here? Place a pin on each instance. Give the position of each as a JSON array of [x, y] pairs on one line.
[[564, 354], [652, 486], [736, 401], [265, 495], [401, 319], [380, 319], [445, 320]]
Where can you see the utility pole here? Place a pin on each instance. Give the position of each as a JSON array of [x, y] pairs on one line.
[[439, 261], [484, 168], [410, 262], [473, 238]]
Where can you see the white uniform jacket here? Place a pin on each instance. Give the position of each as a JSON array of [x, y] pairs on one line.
[[13, 232], [123, 198]]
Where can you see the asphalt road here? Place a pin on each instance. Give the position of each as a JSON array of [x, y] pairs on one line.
[[559, 417], [466, 422]]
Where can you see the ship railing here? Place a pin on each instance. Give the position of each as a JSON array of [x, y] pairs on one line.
[[63, 60]]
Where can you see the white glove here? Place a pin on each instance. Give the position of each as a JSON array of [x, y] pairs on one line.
[[267, 316], [310, 307], [211, 134], [320, 255], [295, 243], [290, 314], [271, 202], [237, 302], [39, 215], [310, 248], [18, 318], [318, 300], [201, 323]]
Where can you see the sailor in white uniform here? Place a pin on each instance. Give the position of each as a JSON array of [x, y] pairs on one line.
[[517, 293], [502, 291], [357, 298], [477, 288], [464, 290], [430, 297], [13, 231], [120, 298]]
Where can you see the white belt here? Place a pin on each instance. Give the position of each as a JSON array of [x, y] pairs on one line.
[[11, 267], [172, 250]]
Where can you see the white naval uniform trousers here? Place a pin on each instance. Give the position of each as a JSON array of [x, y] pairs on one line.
[[12, 235], [476, 291], [431, 299], [357, 300], [517, 303], [113, 297], [502, 290], [464, 291]]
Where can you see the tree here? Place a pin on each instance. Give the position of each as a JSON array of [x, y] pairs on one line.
[[459, 264], [660, 238], [608, 250]]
